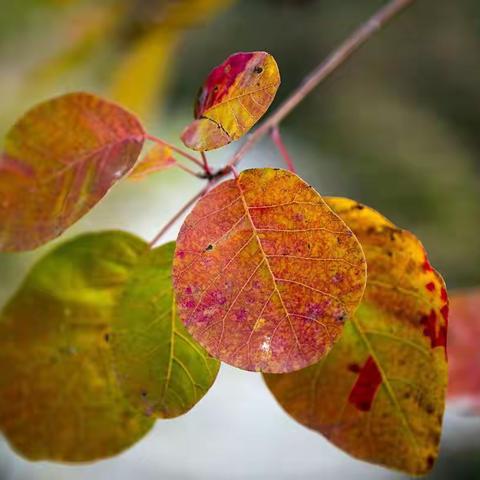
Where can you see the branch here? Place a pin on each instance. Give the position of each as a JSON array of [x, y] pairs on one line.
[[337, 58], [172, 221]]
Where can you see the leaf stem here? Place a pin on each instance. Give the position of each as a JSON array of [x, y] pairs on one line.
[[172, 221], [277, 140], [188, 170], [175, 149], [206, 166], [336, 59]]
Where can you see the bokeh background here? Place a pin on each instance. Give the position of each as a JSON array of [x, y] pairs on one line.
[[396, 128]]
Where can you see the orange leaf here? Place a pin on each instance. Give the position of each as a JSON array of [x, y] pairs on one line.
[[463, 351], [158, 158], [265, 273], [379, 394], [59, 160], [233, 98]]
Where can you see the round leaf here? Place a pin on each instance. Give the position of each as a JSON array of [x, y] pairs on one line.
[[59, 160], [265, 273], [379, 394], [233, 98], [163, 371], [59, 399]]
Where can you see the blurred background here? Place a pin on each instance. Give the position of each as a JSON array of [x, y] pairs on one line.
[[396, 128]]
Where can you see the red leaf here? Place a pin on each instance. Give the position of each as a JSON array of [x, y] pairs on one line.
[[265, 273]]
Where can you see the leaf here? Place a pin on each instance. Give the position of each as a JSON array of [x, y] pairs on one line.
[[265, 273], [463, 356], [59, 160], [233, 98], [159, 157], [59, 399], [379, 394], [163, 371]]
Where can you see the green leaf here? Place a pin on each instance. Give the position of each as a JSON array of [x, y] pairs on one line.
[[59, 398], [164, 372]]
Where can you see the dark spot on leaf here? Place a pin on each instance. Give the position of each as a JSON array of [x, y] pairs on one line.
[[429, 409], [209, 247], [107, 337], [144, 394], [430, 461], [258, 69], [354, 368]]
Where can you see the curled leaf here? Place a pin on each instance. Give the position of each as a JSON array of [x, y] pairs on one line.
[[163, 371], [233, 98], [379, 394], [265, 273], [463, 351], [59, 160], [158, 158], [59, 398]]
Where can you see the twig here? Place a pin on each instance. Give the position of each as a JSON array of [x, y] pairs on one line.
[[188, 170], [336, 59], [172, 221], [331, 63], [277, 139], [175, 149], [206, 166]]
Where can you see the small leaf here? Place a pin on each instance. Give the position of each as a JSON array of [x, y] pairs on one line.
[[163, 371], [59, 160], [265, 273], [59, 399], [158, 158], [233, 98], [463, 357], [379, 394]]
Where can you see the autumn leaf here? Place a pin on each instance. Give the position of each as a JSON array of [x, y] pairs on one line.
[[265, 273], [463, 351], [59, 399], [158, 158], [163, 371], [59, 160], [379, 394], [148, 60], [233, 98]]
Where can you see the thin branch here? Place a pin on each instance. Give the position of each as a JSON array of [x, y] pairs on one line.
[[206, 166], [331, 63], [188, 170], [277, 140], [172, 221], [336, 59], [175, 149]]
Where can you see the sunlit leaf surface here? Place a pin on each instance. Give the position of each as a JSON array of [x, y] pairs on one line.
[[265, 273], [163, 371], [59, 160], [233, 98], [59, 398], [379, 394]]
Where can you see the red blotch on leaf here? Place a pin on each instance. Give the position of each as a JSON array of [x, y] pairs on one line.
[[436, 333], [367, 384], [430, 286], [220, 80]]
